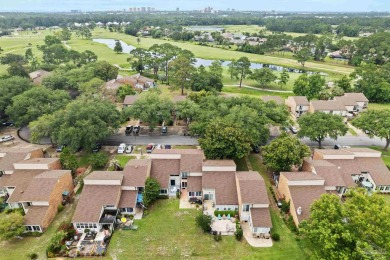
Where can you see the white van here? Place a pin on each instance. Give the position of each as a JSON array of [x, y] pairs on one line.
[[122, 148]]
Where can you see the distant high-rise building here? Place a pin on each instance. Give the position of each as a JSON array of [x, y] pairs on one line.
[[143, 9], [138, 9], [177, 9], [149, 9], [228, 9], [130, 9]]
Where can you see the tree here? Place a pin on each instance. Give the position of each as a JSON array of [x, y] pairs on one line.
[[318, 126], [51, 40], [124, 91], [74, 56], [11, 225], [65, 34], [263, 76], [28, 55], [11, 87], [151, 108], [165, 52], [303, 55], [344, 83], [224, 139], [140, 58], [240, 69], [375, 123], [216, 68], [345, 229], [17, 69], [68, 160], [118, 47], [35, 102], [138, 40], [94, 86], [54, 54], [88, 56], [187, 109], [10, 58], [283, 79], [42, 127], [105, 70], [151, 192], [309, 86], [98, 160], [82, 123], [284, 152], [181, 70], [204, 222]]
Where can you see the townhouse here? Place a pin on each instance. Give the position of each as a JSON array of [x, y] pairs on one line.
[[328, 106], [353, 102], [297, 105]]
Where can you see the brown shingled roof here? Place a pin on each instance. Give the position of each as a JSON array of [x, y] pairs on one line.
[[224, 184], [130, 99], [327, 105], [20, 179], [261, 217], [35, 215], [92, 199], [277, 99], [328, 171], [219, 163], [346, 101], [136, 172], [7, 162], [356, 96], [252, 188], [41, 186], [194, 183], [304, 196], [128, 199], [105, 175], [301, 176], [163, 168], [191, 159], [301, 100]]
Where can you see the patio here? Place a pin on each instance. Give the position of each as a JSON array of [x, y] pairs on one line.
[[91, 244], [184, 201], [225, 226], [254, 241]]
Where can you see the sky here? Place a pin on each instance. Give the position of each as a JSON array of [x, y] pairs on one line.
[[253, 5]]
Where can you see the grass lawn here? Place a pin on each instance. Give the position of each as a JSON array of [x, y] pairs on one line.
[[386, 197], [183, 147], [241, 164], [18, 249], [170, 232], [216, 53], [123, 159], [352, 131], [253, 92], [377, 106]]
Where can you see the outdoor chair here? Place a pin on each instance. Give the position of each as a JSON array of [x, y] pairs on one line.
[[228, 216], [219, 216]]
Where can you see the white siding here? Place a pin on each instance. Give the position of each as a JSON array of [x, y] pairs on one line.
[[219, 168]]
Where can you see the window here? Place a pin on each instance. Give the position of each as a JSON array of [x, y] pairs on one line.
[[1, 173], [164, 191], [126, 209], [36, 228], [191, 193], [29, 228], [245, 208], [29, 204], [173, 182], [198, 193], [184, 175]]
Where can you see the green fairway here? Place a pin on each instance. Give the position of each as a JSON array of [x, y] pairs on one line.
[[220, 54], [253, 92], [377, 106], [169, 232]]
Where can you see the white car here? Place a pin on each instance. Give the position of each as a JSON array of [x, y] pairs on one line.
[[129, 148], [6, 138], [122, 148], [159, 146]]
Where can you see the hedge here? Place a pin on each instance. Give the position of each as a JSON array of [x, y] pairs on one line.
[[226, 212]]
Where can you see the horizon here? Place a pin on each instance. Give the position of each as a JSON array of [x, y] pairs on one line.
[[306, 6]]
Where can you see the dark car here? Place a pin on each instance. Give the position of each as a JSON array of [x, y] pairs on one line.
[[96, 148], [337, 146], [8, 123], [129, 129], [60, 147], [164, 130], [256, 149], [167, 146]]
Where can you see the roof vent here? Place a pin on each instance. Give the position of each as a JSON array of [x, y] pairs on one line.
[[299, 211], [136, 166]]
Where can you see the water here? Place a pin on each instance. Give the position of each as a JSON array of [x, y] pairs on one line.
[[204, 28], [199, 61]]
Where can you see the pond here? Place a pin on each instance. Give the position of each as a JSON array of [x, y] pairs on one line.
[[199, 61], [204, 28]]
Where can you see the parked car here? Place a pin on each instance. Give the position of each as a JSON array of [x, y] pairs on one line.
[[164, 130], [96, 148], [6, 138], [136, 129], [293, 129], [150, 148], [121, 148], [256, 149], [60, 147], [167, 146], [8, 123], [285, 129], [337, 146], [129, 148], [129, 129]]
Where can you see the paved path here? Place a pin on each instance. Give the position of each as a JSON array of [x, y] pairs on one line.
[[261, 89]]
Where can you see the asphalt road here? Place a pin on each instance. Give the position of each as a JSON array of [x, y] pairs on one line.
[[114, 140]]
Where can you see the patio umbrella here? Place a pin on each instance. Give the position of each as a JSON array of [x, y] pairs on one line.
[[123, 220]]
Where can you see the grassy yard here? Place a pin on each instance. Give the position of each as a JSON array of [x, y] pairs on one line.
[[386, 197], [170, 232], [253, 92], [377, 106], [241, 164], [123, 159], [352, 131], [19, 249]]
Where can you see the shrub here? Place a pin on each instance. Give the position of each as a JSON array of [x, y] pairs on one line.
[[32, 256], [285, 206], [239, 233], [178, 193], [217, 237], [124, 91], [55, 243], [32, 234], [226, 212], [275, 236], [151, 192], [204, 222], [60, 208]]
